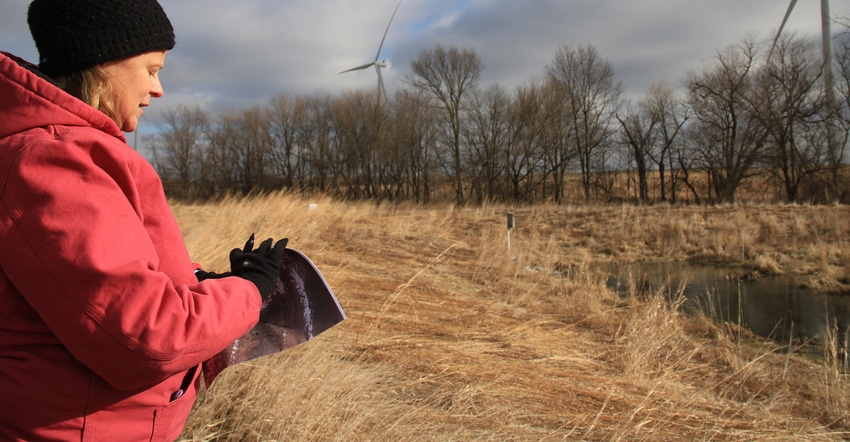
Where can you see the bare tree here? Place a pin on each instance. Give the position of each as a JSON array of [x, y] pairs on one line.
[[486, 134], [448, 74], [558, 146], [837, 157], [240, 146], [687, 159], [667, 110], [416, 135], [786, 100], [318, 138], [178, 149], [639, 133], [730, 138], [392, 162], [357, 120], [523, 152], [591, 93], [287, 121]]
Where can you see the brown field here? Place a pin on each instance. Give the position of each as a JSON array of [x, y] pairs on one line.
[[448, 338]]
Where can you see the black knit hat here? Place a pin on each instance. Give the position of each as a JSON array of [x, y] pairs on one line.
[[73, 35]]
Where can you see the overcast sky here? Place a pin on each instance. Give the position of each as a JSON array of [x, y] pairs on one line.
[[232, 54]]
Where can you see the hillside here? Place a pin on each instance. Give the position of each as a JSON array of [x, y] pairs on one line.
[[450, 337]]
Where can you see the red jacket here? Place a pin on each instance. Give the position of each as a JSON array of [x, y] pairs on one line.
[[101, 316]]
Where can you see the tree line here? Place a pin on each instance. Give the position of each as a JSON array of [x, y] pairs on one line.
[[571, 135]]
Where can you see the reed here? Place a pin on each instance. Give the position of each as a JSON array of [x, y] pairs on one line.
[[450, 337], [836, 377]]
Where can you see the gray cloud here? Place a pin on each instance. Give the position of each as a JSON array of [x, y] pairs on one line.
[[233, 54]]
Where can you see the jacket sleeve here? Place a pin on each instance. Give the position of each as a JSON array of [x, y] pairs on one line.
[[83, 248]]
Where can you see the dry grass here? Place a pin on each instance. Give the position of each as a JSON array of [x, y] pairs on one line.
[[450, 337]]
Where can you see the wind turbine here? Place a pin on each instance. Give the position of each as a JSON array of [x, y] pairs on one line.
[[828, 76], [378, 64], [825, 29]]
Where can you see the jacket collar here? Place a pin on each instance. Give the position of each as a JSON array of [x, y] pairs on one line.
[[29, 99]]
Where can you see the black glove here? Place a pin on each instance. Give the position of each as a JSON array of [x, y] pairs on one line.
[[260, 266], [202, 274]]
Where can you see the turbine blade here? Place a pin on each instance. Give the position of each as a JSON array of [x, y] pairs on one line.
[[787, 14], [781, 27], [378, 55], [358, 67]]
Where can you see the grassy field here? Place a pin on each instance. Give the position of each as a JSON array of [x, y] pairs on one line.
[[452, 337]]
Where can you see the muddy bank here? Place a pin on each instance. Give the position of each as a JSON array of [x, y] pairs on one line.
[[810, 242]]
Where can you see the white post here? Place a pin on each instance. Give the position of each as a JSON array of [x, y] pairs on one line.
[[510, 226]]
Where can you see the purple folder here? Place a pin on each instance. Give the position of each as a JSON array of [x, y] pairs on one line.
[[301, 307]]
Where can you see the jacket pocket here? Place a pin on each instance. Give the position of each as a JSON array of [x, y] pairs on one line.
[[168, 421]]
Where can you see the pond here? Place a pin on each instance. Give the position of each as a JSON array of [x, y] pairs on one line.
[[775, 307]]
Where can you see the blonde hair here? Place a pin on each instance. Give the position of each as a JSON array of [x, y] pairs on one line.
[[92, 87]]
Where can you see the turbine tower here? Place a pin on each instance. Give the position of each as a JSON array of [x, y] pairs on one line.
[[378, 64]]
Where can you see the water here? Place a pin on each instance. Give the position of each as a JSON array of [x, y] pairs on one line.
[[775, 307]]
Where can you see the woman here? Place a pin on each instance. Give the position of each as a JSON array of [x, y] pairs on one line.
[[103, 320]]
